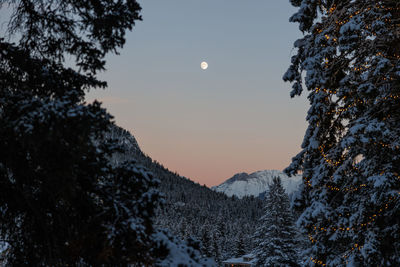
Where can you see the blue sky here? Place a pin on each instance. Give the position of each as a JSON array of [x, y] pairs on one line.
[[209, 124]]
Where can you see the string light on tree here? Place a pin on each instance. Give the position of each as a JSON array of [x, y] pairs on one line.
[[350, 67]]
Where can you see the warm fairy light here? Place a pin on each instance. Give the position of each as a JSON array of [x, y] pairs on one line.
[[317, 261], [327, 159], [350, 102], [340, 110], [317, 90], [371, 218], [356, 245], [332, 9], [311, 238]]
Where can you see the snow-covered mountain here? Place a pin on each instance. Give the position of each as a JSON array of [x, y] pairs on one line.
[[243, 184], [190, 210]]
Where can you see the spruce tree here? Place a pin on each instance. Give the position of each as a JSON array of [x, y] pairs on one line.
[[62, 202], [216, 247], [206, 242], [276, 237], [349, 58], [240, 248]]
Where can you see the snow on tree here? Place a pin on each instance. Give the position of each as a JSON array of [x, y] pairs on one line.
[[62, 201], [350, 158], [181, 253], [216, 244], [206, 241], [240, 248], [275, 239]]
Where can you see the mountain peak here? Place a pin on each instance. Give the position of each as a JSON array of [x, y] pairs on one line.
[[242, 176], [243, 184]]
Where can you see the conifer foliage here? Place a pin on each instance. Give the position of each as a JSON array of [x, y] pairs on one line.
[[240, 248], [189, 209], [61, 200], [276, 237], [350, 155]]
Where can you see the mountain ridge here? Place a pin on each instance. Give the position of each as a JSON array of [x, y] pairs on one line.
[[194, 211], [253, 184]]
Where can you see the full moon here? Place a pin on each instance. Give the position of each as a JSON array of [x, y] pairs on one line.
[[204, 65]]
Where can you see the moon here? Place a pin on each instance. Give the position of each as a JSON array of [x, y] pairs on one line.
[[204, 65]]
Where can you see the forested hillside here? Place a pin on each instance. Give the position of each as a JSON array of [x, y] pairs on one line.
[[223, 224]]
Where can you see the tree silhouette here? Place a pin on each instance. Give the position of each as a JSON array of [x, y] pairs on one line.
[[62, 202]]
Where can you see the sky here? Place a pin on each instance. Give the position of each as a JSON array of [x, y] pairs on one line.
[[207, 125]]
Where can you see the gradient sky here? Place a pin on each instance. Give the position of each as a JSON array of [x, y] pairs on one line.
[[207, 125]]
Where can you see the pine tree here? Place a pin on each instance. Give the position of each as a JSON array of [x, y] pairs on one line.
[[206, 242], [220, 235], [350, 156], [217, 248], [240, 248], [62, 202], [276, 237]]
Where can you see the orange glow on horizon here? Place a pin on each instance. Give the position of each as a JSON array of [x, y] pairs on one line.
[[210, 162]]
